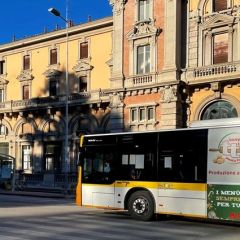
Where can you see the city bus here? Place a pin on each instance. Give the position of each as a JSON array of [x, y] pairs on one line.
[[193, 172]]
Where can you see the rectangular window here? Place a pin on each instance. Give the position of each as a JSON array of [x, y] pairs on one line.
[[220, 48], [83, 50], [134, 115], [2, 65], [25, 93], [219, 5], [142, 114], [83, 84], [52, 156], [26, 62], [53, 88], [150, 113], [1, 95], [26, 157], [53, 56], [143, 59], [144, 10]]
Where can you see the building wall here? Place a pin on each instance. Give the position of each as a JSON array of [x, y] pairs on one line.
[[210, 83], [40, 120]]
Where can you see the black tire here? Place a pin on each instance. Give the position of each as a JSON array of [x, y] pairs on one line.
[[141, 206]]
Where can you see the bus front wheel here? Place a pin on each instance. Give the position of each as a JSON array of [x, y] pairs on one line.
[[141, 206]]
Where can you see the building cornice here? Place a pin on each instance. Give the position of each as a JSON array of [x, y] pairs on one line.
[[41, 38]]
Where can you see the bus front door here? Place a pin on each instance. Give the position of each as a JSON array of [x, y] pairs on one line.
[[98, 184]]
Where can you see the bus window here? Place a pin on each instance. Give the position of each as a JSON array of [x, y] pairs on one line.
[[138, 166], [98, 168], [182, 161]]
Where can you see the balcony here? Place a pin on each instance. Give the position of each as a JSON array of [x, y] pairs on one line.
[[140, 80], [216, 72], [56, 101]]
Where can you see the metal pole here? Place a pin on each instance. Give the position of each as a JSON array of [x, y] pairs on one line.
[[66, 106], [66, 162]]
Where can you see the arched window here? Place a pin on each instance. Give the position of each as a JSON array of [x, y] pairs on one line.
[[219, 109], [219, 5]]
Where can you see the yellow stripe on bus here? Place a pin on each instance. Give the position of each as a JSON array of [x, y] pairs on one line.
[[183, 214], [155, 185]]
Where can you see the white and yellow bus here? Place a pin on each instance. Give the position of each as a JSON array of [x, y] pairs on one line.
[[191, 172]]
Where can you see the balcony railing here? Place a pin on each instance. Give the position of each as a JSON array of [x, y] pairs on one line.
[[214, 72], [140, 80], [56, 101]]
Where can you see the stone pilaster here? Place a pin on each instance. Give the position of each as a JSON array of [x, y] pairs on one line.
[[171, 108], [116, 115], [118, 18], [193, 29], [172, 40]]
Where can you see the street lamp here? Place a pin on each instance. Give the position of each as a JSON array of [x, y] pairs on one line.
[[56, 13]]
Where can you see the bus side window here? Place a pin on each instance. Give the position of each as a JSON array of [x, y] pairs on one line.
[[98, 168], [137, 166]]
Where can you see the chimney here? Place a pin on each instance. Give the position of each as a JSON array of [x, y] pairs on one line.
[[89, 18], [70, 23]]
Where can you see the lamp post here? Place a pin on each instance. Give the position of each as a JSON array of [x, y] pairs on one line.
[[56, 13]]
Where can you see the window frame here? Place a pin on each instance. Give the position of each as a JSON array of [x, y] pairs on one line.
[[29, 155], [137, 110], [26, 62], [2, 67], [2, 95], [86, 84], [214, 7], [84, 51], [23, 92], [50, 87], [213, 47], [146, 56], [53, 57]]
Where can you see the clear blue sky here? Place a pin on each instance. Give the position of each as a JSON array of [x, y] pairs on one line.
[[28, 17]]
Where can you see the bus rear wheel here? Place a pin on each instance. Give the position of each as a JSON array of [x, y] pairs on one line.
[[141, 206]]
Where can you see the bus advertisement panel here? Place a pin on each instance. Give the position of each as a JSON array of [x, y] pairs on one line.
[[224, 174]]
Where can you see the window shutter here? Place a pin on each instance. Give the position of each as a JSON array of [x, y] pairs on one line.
[[26, 62], [83, 50], [25, 92], [53, 56], [219, 5], [2, 67]]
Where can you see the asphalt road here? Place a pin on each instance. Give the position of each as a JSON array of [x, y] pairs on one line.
[[25, 218]]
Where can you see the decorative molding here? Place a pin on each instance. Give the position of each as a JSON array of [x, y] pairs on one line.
[[52, 73], [110, 62], [3, 81], [218, 20], [216, 86], [82, 66], [118, 6], [115, 100], [25, 76], [168, 94], [143, 29]]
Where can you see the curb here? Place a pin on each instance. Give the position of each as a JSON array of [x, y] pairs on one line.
[[37, 194]]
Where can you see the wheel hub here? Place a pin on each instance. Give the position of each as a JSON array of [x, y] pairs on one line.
[[139, 206]]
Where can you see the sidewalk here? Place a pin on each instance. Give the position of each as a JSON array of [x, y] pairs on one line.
[[37, 194]]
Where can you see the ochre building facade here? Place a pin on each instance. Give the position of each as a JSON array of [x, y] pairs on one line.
[[33, 94]]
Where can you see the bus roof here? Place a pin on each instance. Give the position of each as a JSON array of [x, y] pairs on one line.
[[204, 124]]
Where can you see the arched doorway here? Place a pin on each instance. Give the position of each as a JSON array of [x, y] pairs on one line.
[[218, 110]]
